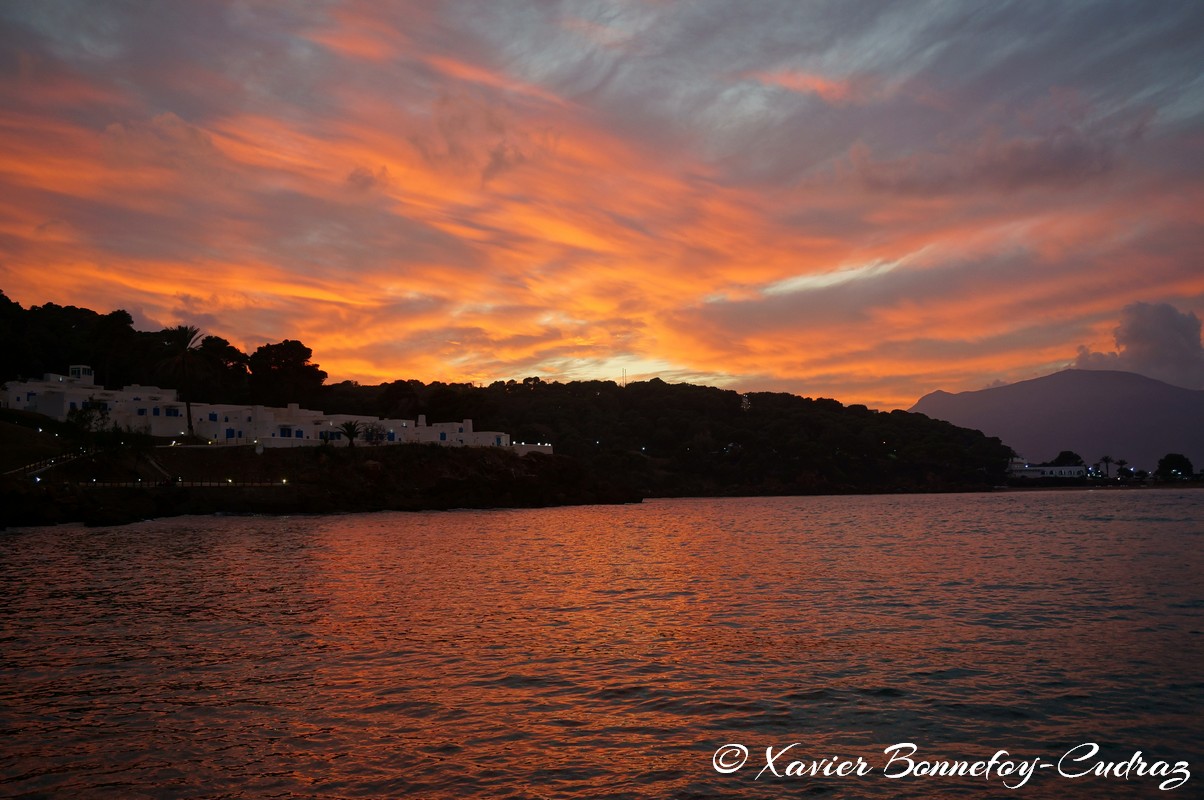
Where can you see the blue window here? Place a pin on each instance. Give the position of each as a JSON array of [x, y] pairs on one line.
[[461, 429], [229, 433], [391, 436], [298, 434], [442, 436], [171, 412], [227, 419], [155, 411], [212, 417], [72, 405], [499, 441], [142, 412]]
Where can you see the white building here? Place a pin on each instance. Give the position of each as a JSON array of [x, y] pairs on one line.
[[160, 412], [1021, 469]]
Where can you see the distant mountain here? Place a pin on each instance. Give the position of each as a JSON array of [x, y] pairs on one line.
[[1092, 412]]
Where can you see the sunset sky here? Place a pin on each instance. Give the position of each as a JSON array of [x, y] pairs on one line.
[[842, 199]]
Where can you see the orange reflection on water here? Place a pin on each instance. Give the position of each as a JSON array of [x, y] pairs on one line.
[[598, 650]]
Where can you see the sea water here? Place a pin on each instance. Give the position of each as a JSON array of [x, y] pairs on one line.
[[1022, 644]]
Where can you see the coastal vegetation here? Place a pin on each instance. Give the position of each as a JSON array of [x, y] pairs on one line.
[[613, 442], [1172, 468]]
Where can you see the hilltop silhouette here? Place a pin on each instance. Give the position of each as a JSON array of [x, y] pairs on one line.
[[1092, 412]]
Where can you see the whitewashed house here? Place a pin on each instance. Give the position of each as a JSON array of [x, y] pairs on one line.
[[1021, 469], [160, 412]]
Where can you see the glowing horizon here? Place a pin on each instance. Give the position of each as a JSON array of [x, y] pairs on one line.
[[859, 202]]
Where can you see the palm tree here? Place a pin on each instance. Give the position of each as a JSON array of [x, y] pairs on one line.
[[1106, 460], [181, 345], [351, 429], [1121, 472]]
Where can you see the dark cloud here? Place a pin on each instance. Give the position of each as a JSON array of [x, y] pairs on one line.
[[1064, 157], [198, 60], [504, 156], [1156, 340], [365, 179], [856, 299], [144, 321], [322, 236], [933, 77], [192, 310], [165, 141]]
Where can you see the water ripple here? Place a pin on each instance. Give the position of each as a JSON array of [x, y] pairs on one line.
[[599, 652]]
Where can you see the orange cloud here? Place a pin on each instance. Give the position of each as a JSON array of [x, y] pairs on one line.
[[389, 195], [831, 90]]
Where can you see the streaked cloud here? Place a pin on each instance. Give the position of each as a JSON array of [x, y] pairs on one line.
[[860, 200], [823, 280]]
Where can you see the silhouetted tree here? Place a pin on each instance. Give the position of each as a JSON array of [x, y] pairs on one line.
[[401, 399], [1174, 467], [1106, 460], [182, 362], [229, 367], [661, 438], [52, 337], [12, 323], [373, 432], [90, 419], [282, 374], [351, 429], [113, 340], [1068, 458]]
